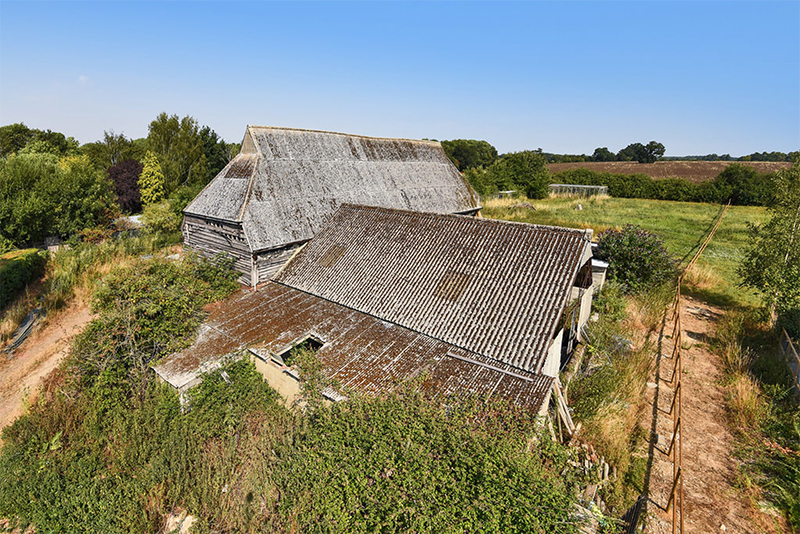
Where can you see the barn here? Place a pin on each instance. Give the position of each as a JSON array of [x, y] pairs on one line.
[[471, 306], [285, 184]]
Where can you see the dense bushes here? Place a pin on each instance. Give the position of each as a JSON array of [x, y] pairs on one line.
[[637, 259], [106, 460], [41, 195], [524, 172], [147, 309], [743, 185], [106, 449], [17, 270], [402, 464]]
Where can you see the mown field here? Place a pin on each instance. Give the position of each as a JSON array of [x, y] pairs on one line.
[[694, 171], [682, 226]]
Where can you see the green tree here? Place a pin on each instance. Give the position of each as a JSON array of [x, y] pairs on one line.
[[151, 181], [179, 146], [14, 137], [17, 137], [771, 265], [525, 171], [112, 150], [41, 195], [216, 151], [654, 151], [649, 153], [603, 154], [469, 153]]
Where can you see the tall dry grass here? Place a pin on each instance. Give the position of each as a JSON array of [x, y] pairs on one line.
[[749, 409], [71, 274], [701, 278], [609, 397]]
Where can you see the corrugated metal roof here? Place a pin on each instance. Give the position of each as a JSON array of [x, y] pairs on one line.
[[286, 183], [360, 352], [494, 288]]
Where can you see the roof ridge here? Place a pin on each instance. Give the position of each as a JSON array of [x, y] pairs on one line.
[[425, 141], [498, 222]]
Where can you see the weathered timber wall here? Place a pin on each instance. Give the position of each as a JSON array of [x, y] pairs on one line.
[[208, 238], [268, 262]]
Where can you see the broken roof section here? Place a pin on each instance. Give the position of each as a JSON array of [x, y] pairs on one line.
[[359, 351], [493, 288], [286, 183]]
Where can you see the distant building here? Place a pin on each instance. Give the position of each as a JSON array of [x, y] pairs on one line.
[[285, 184], [471, 306]]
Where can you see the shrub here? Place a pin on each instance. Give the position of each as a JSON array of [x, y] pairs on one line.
[[402, 464], [151, 180], [637, 259], [744, 186], [161, 218], [149, 308], [17, 270], [42, 196], [125, 176]]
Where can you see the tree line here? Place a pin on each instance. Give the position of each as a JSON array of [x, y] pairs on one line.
[[52, 185], [471, 153], [525, 171]]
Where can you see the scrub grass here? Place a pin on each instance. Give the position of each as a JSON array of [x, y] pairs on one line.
[[682, 226]]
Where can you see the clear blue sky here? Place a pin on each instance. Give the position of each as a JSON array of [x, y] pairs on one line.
[[567, 77]]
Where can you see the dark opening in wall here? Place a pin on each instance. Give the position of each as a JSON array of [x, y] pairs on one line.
[[307, 345]]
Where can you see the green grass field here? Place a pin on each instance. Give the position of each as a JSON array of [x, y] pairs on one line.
[[682, 226]]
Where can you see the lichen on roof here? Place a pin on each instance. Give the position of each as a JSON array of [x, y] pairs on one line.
[[286, 183]]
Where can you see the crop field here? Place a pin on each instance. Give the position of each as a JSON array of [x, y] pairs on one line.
[[694, 171], [682, 226]]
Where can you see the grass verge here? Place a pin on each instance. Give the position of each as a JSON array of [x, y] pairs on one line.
[[682, 226]]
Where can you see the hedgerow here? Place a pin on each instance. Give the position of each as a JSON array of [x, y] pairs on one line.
[[742, 185]]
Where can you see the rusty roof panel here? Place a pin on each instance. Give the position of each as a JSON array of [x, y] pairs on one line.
[[492, 287], [360, 352]]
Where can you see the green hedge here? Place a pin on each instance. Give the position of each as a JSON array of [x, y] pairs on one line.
[[743, 185], [17, 269]]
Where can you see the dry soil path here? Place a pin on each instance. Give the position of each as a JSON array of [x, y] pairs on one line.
[[23, 373], [712, 501]]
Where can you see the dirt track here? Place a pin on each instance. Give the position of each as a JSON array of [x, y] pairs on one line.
[[21, 375], [713, 503]]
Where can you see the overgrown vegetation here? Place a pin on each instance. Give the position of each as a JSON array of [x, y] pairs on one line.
[[743, 185], [637, 259], [608, 382], [148, 308], [403, 464], [107, 449], [17, 270], [772, 263], [764, 414]]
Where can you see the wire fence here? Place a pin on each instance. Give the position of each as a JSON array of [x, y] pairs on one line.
[[675, 450], [790, 354]]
